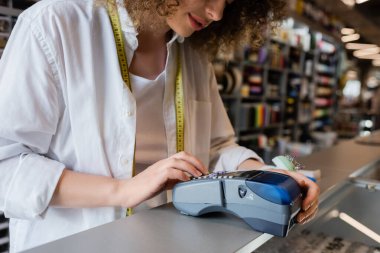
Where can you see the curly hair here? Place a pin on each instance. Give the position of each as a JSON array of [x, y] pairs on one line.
[[243, 22]]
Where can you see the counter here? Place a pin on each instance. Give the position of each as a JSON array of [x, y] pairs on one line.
[[164, 229]]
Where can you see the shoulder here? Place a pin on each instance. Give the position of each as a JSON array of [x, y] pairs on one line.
[[51, 11], [199, 73], [196, 59]]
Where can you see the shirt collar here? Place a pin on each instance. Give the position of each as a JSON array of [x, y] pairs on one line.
[[176, 37]]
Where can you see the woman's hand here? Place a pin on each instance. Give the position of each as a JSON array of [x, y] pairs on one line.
[[309, 206], [162, 175]]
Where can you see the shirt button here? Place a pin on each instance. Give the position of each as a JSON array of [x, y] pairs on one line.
[[128, 113], [125, 162]]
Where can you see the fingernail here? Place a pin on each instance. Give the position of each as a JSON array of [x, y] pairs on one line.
[[306, 221], [310, 205]]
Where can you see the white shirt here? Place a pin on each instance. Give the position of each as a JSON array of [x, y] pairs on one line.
[[63, 104]]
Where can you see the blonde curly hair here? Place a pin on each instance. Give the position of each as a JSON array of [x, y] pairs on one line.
[[243, 22]]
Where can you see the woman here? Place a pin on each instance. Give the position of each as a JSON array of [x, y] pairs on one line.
[[72, 129]]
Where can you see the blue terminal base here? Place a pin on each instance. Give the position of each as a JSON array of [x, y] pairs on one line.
[[266, 201]]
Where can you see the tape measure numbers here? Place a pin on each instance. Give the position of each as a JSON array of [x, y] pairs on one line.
[[179, 106]]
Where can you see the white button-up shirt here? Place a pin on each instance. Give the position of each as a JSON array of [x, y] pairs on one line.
[[63, 104]]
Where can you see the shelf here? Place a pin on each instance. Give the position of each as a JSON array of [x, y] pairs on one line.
[[6, 35], [285, 43], [9, 11], [274, 69], [252, 99], [322, 117], [5, 18], [328, 85], [310, 53], [279, 41], [324, 96], [273, 98], [277, 125], [229, 96], [294, 72], [4, 225], [328, 73], [290, 124], [249, 137], [4, 240], [323, 106], [255, 129], [253, 64], [313, 25]]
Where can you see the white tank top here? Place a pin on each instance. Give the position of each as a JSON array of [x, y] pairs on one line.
[[151, 144]]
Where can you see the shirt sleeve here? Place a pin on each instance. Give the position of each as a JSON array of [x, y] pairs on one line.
[[226, 155], [29, 114]]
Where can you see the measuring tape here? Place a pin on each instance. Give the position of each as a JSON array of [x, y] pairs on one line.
[[179, 96], [179, 106]]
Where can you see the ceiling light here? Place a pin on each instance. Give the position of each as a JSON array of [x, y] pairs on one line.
[[358, 46], [351, 37], [361, 1], [370, 57], [367, 51], [347, 31]]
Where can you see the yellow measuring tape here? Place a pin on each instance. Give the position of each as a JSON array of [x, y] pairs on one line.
[[179, 106], [179, 97]]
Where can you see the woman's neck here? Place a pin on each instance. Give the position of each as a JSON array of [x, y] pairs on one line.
[[152, 36], [149, 59]]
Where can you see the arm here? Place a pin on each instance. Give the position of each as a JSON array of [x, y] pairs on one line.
[[29, 113], [31, 105], [83, 190], [225, 154]]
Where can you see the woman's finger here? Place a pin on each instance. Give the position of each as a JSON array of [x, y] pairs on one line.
[[182, 165], [192, 160], [312, 189], [304, 215], [310, 217], [312, 195]]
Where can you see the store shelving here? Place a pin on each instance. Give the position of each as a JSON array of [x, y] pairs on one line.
[[5, 24], [5, 29], [8, 16], [4, 234], [297, 80], [325, 89]]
